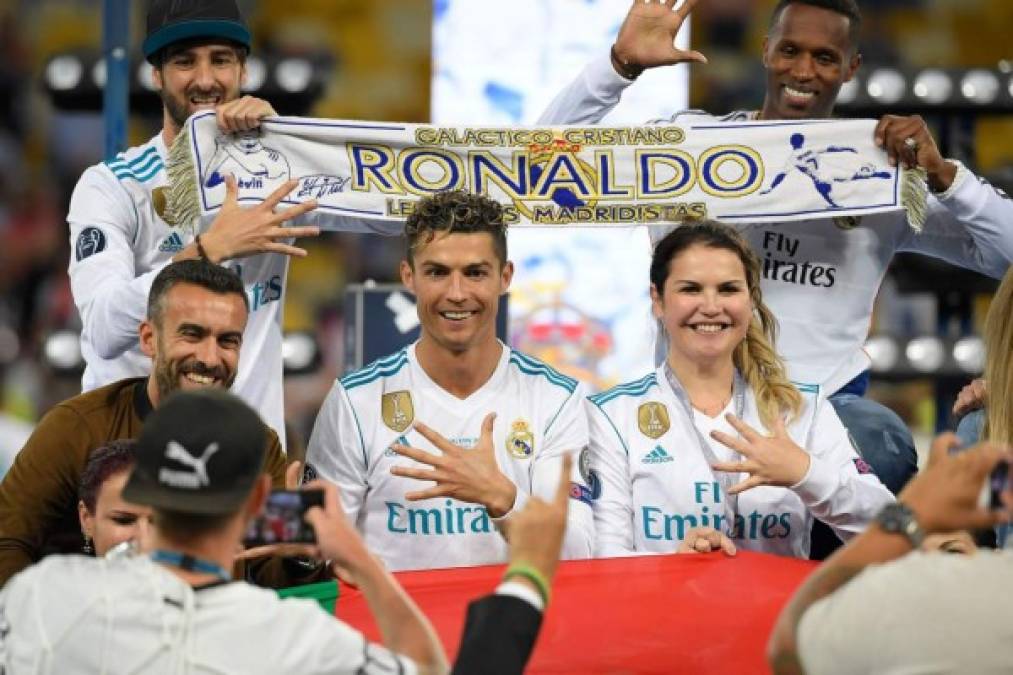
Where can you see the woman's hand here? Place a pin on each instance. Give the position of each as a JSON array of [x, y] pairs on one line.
[[769, 460], [705, 540]]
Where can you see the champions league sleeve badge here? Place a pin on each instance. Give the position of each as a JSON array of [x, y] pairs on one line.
[[397, 410], [520, 442], [91, 241], [652, 417]]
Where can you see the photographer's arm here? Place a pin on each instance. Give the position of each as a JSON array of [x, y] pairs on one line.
[[944, 498], [403, 627]]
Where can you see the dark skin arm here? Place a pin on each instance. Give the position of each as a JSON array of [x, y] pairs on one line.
[[944, 498], [892, 133]]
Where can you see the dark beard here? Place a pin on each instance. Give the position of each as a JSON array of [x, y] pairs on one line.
[[168, 374], [179, 108]]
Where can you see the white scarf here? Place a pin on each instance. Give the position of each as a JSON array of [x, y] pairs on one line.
[[373, 173]]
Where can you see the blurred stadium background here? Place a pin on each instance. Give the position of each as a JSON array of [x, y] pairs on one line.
[[373, 60]]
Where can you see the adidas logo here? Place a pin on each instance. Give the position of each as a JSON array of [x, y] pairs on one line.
[[171, 244], [657, 456], [389, 452]]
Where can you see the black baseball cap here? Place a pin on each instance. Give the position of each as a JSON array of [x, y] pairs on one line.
[[200, 452], [171, 21]]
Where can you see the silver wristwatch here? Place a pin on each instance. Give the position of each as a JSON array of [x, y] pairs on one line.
[[897, 518]]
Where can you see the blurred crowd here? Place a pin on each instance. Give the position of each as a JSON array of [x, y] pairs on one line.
[[380, 51]]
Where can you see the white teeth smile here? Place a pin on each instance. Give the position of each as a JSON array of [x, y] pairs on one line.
[[795, 93], [709, 327], [456, 316], [200, 379], [202, 100]]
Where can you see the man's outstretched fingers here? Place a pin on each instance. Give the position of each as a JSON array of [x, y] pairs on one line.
[[435, 438], [280, 193]]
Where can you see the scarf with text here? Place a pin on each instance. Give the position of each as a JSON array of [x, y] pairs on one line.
[[369, 175]]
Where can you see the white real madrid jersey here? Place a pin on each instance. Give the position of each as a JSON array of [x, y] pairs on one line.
[[650, 452], [120, 243], [539, 419], [820, 277]]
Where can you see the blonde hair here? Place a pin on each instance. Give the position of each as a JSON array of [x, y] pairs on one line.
[[755, 357], [998, 368]]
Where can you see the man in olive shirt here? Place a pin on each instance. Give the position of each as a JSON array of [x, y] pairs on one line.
[[196, 315]]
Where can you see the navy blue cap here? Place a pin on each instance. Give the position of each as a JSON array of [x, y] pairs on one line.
[[171, 21]]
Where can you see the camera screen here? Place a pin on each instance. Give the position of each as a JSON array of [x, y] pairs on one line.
[[282, 519]]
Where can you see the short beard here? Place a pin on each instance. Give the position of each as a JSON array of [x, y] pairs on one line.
[[168, 373], [178, 110]]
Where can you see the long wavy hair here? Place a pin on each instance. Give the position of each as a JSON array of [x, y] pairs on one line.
[[754, 357], [998, 366]]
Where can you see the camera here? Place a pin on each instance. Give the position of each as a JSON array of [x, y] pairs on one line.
[[282, 520]]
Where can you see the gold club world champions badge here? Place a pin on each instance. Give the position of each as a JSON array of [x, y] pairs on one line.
[[397, 410], [652, 417], [520, 442]]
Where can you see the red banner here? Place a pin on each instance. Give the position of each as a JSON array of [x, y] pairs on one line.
[[652, 614]]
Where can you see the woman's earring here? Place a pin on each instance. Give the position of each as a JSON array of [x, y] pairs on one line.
[[87, 548]]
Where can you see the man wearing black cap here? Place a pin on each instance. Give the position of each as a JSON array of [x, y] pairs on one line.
[[151, 613], [120, 239]]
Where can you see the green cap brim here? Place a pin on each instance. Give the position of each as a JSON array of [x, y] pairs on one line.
[[198, 28]]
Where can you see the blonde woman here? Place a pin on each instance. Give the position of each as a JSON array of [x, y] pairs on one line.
[[716, 448]]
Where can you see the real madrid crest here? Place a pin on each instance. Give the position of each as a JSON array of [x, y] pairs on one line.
[[397, 410], [521, 442], [653, 419]]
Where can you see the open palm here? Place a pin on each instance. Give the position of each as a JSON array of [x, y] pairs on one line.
[[647, 36]]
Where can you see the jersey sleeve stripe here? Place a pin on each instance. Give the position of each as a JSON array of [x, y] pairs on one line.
[[380, 368], [614, 428], [553, 420], [143, 158], [635, 388], [373, 367], [535, 367], [144, 167]]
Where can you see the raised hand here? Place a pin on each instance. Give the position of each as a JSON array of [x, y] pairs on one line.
[[337, 539], [536, 532], [243, 114], [944, 497], [237, 232], [908, 142], [769, 460], [971, 397], [470, 475], [647, 37]]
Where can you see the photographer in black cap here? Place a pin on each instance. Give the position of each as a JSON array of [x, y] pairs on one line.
[[118, 233], [178, 604]]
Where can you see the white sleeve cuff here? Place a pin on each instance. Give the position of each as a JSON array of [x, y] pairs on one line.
[[958, 180], [603, 79], [819, 482], [525, 593]]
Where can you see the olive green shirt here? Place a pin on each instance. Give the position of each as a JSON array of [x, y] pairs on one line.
[[39, 494]]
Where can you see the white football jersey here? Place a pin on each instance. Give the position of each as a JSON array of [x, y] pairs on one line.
[[131, 616], [119, 243], [650, 449], [821, 276], [539, 419]]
